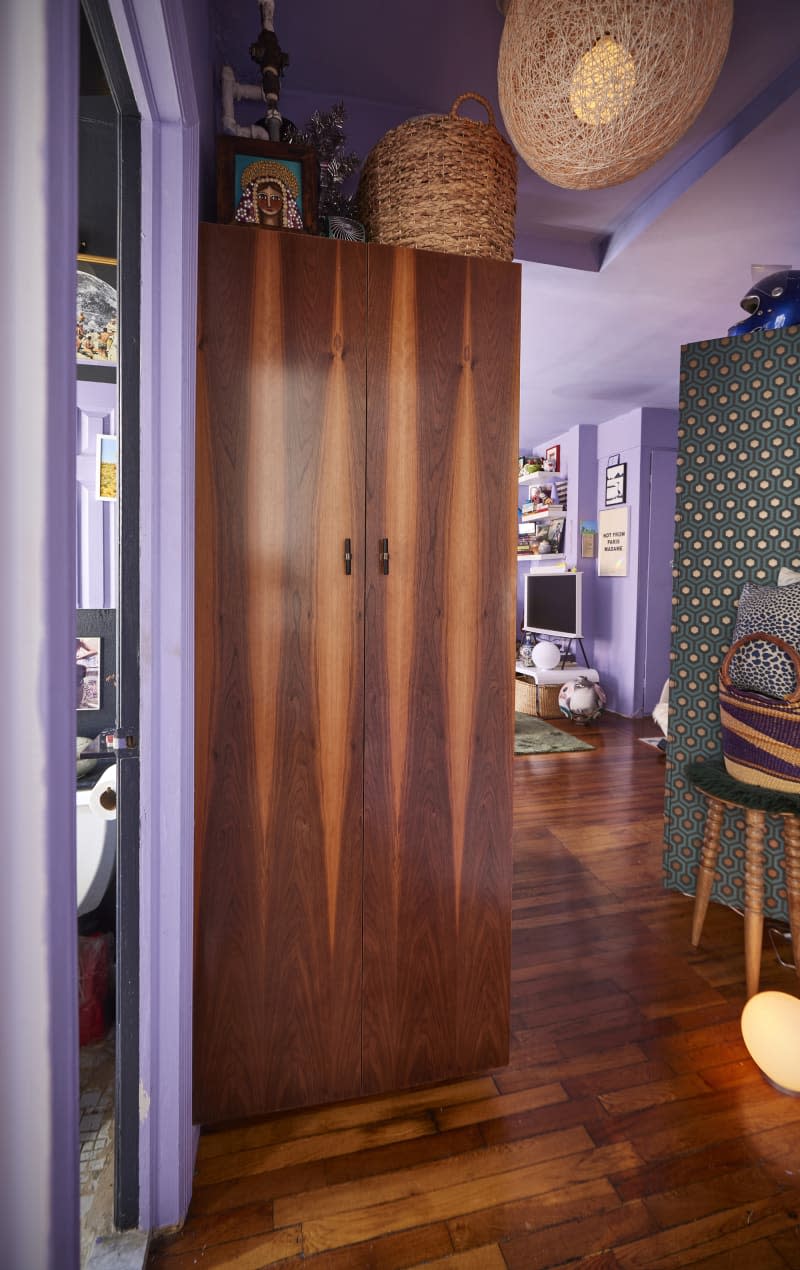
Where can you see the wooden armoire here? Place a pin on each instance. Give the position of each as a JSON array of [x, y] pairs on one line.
[[356, 524]]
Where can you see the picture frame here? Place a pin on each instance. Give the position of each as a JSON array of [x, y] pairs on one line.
[[553, 455], [555, 534], [616, 484], [292, 170], [106, 466], [96, 311], [613, 536], [87, 671]]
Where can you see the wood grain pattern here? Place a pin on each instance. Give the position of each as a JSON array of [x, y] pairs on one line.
[[442, 438], [754, 832], [280, 461], [668, 1147], [791, 841]]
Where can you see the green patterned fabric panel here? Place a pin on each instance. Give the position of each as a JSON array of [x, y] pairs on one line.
[[737, 521]]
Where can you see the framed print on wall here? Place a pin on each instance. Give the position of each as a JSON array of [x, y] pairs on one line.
[[552, 458], [96, 310], [616, 481], [107, 457], [612, 559], [87, 670], [266, 183]]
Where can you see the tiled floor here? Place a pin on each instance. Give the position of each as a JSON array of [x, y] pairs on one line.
[[97, 1141]]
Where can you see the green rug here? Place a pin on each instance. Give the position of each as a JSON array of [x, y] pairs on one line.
[[537, 736]]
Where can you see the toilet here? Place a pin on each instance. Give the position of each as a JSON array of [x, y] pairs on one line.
[[96, 839]]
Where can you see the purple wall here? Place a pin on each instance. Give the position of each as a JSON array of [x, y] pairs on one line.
[[198, 36], [630, 640], [616, 609], [96, 537], [656, 581], [38, 944]]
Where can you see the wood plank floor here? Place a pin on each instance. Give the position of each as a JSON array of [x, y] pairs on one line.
[[630, 1128]]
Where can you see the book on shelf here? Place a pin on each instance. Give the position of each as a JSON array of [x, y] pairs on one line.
[[541, 513]]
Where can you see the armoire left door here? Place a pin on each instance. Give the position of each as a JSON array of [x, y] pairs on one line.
[[280, 671]]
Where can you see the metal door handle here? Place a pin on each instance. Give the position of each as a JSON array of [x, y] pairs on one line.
[[348, 556], [384, 555]]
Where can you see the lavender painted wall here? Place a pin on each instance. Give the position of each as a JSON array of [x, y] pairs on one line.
[[617, 599], [653, 653], [38, 945], [621, 637], [96, 536], [198, 37]]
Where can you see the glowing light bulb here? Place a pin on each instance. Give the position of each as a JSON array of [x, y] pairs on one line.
[[603, 82], [771, 1032]]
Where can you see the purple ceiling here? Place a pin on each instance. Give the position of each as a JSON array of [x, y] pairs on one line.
[[617, 279]]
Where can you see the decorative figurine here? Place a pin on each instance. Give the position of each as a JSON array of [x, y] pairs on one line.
[[772, 303], [581, 700], [324, 134]]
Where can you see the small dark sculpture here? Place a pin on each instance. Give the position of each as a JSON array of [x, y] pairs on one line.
[[271, 60]]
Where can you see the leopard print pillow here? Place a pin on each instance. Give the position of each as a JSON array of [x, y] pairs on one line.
[[760, 666]]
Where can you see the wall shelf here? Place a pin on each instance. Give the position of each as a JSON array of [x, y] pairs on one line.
[[540, 478], [556, 512]]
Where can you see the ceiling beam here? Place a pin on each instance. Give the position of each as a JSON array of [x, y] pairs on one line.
[[725, 140]]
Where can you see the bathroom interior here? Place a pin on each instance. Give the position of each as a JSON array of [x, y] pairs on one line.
[[97, 524]]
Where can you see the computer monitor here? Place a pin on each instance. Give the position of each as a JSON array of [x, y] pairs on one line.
[[553, 604]]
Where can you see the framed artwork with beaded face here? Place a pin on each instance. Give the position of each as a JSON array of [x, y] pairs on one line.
[[266, 183]]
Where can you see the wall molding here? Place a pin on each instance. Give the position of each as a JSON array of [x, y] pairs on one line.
[[154, 40]]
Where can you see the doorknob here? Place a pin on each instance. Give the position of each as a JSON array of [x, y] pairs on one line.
[[384, 555], [348, 556]]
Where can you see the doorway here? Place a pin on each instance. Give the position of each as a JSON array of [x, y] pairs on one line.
[[107, 586]]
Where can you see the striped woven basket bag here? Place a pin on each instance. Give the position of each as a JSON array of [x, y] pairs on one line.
[[761, 735]]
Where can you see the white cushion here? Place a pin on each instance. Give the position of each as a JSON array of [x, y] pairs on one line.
[[787, 577]]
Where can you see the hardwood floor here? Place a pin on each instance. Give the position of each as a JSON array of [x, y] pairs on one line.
[[630, 1128]]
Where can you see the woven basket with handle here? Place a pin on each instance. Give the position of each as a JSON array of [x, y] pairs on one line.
[[761, 735], [442, 183]]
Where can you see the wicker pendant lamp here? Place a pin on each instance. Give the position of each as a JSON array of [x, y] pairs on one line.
[[595, 91]]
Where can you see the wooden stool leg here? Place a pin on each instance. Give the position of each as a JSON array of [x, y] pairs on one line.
[[753, 897], [791, 838], [706, 867]]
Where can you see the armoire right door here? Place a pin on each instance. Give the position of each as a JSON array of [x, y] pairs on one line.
[[442, 440]]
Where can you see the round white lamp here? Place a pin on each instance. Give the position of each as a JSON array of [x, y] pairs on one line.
[[771, 1032], [546, 655]]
